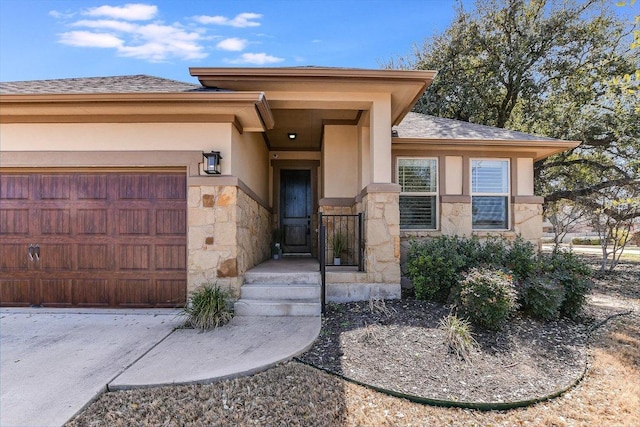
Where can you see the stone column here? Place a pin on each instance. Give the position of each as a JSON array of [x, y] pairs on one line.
[[380, 204]]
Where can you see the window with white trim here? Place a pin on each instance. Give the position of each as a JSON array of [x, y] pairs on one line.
[[490, 194], [418, 179]]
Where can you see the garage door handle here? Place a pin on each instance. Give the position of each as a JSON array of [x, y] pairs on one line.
[[31, 250], [37, 250]]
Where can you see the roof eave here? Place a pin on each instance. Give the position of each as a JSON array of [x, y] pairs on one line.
[[405, 86], [541, 148], [251, 109]]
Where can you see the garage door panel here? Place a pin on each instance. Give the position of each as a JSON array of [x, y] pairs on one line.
[[170, 293], [134, 257], [171, 221], [171, 187], [171, 257], [135, 292], [55, 221], [133, 221], [56, 256], [15, 187], [92, 221], [55, 187], [93, 257], [14, 221], [56, 292], [92, 187], [14, 256], [133, 187], [16, 292], [91, 292]]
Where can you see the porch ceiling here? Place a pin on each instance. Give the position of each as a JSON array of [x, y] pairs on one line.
[[307, 124]]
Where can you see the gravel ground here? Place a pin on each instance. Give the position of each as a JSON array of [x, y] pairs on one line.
[[294, 394]]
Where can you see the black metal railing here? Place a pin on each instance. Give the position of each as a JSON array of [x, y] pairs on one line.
[[343, 240], [340, 243]]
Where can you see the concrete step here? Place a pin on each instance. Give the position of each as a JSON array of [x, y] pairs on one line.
[[261, 291], [277, 307], [311, 277]]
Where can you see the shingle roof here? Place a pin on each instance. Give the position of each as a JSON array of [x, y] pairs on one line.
[[422, 126], [117, 84]]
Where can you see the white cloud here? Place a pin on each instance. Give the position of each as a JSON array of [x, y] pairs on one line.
[[128, 12], [59, 15], [153, 42], [89, 39], [107, 24], [122, 29], [241, 20], [256, 59], [232, 44]]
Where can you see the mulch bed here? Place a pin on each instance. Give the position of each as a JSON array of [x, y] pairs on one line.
[[397, 345]]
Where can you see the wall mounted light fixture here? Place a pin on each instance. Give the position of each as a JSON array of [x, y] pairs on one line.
[[212, 162]]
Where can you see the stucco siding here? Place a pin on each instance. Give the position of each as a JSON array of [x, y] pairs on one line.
[[340, 157], [250, 162], [115, 137]]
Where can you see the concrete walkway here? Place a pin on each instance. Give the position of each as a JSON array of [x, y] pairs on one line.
[[246, 345], [54, 362]]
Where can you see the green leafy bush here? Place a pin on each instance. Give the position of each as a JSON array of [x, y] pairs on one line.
[[434, 266], [542, 297], [573, 274], [487, 297], [458, 336], [520, 259], [208, 307]]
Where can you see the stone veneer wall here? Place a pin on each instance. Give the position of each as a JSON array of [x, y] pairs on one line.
[[527, 221], [228, 233], [254, 232]]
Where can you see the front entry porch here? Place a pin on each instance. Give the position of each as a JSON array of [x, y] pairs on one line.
[[292, 286]]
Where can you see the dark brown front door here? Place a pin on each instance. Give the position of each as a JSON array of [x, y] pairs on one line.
[[113, 239], [295, 210]]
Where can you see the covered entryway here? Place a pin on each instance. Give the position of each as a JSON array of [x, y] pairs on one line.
[[111, 238]]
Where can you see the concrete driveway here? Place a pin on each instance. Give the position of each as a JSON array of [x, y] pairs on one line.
[[54, 362]]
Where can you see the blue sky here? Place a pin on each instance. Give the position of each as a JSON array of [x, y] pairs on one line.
[[49, 39]]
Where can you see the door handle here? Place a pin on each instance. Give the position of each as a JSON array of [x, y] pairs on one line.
[[31, 251], [37, 251]]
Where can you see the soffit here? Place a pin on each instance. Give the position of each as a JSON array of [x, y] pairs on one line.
[[307, 124]]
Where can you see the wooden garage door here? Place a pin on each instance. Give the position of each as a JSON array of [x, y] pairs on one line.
[[93, 238]]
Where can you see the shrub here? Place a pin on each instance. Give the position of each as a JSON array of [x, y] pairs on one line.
[[520, 259], [434, 266], [573, 274], [586, 241], [494, 251], [487, 297], [542, 297], [458, 336], [208, 307]]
